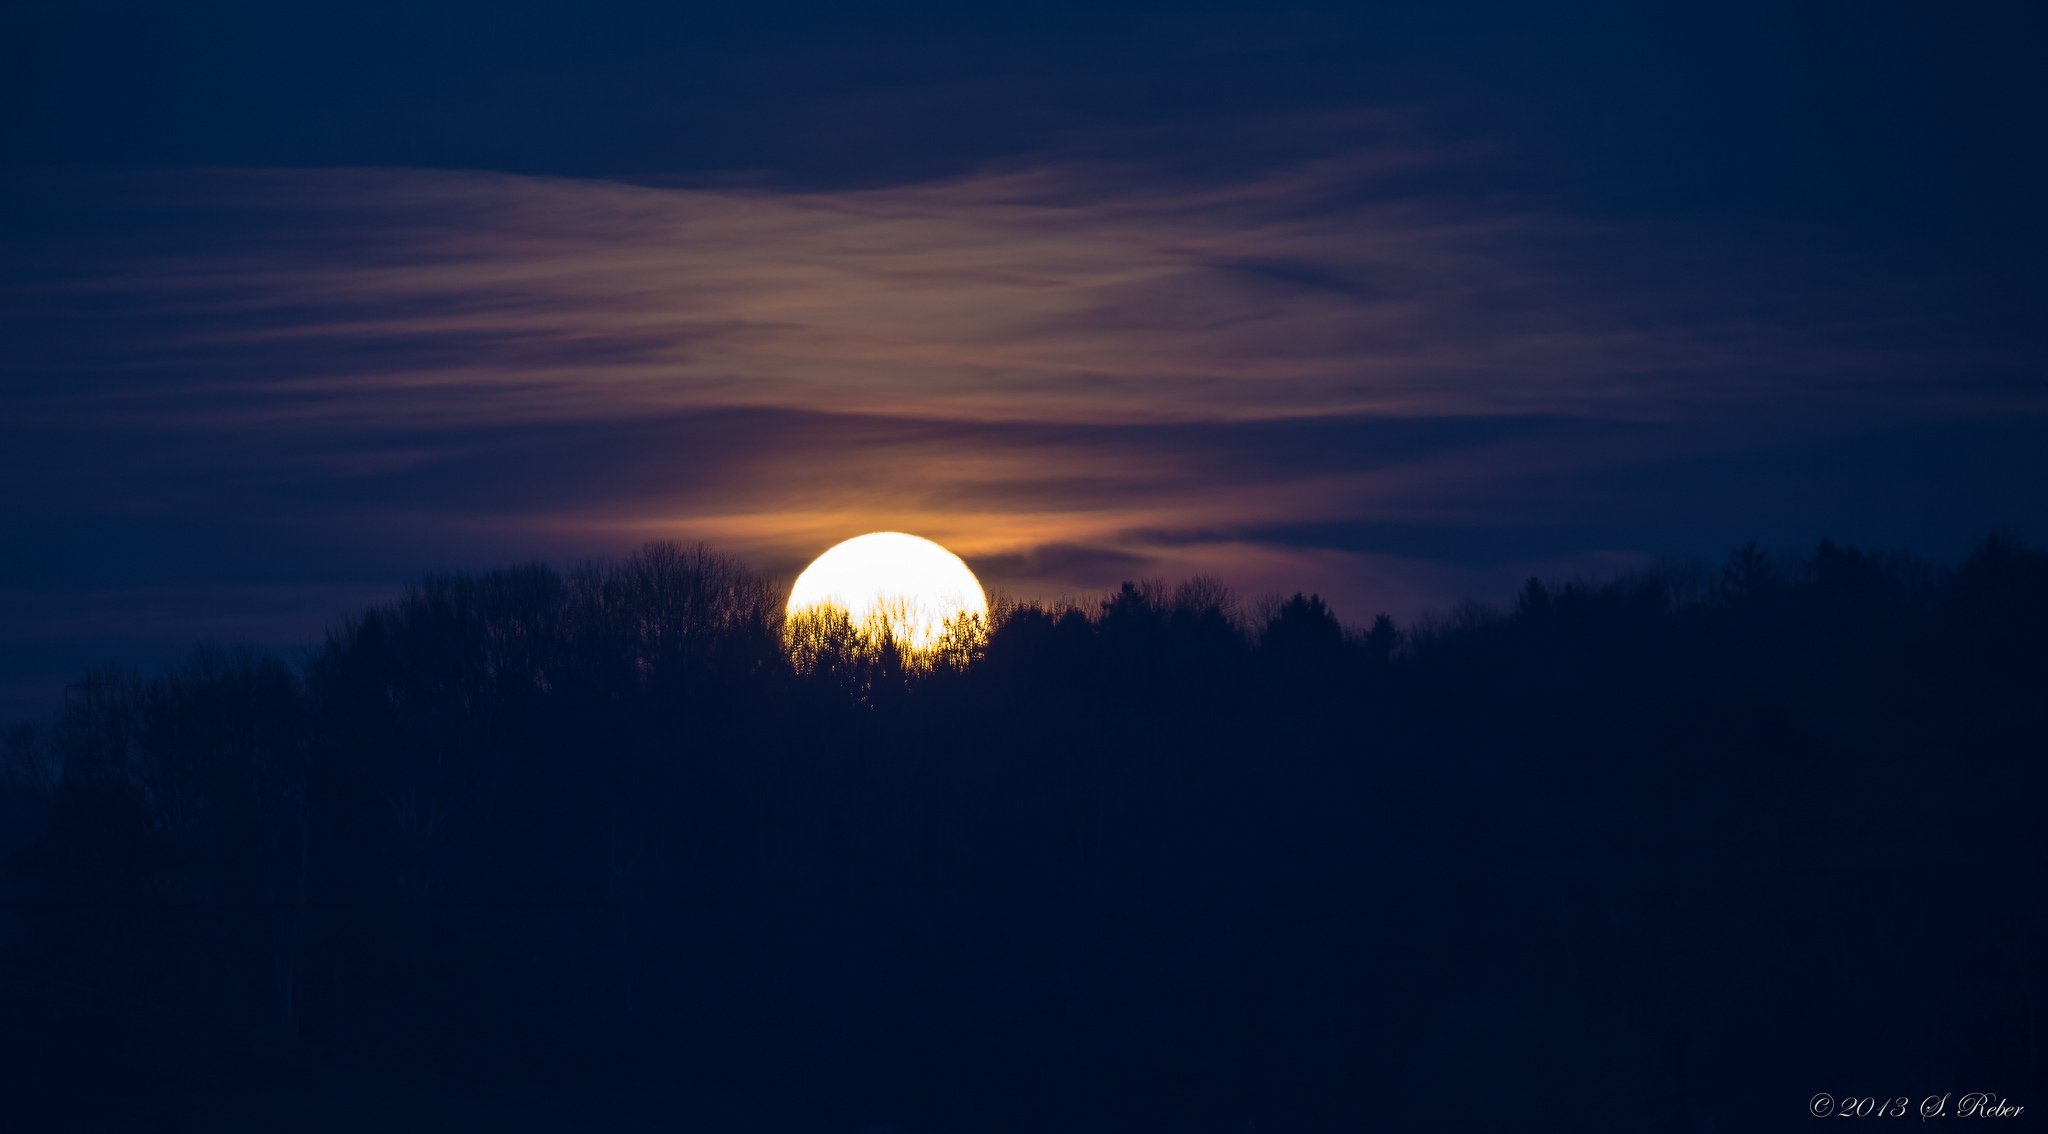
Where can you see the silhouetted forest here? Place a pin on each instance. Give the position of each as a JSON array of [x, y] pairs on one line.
[[1672, 851]]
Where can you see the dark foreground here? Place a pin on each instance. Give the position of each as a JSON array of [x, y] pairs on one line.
[[528, 851]]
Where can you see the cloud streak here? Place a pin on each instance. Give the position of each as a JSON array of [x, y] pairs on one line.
[[1321, 376], [1075, 293]]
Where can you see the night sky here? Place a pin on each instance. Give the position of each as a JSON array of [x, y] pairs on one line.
[[1401, 305]]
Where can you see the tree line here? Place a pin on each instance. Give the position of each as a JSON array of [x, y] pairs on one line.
[[1671, 850]]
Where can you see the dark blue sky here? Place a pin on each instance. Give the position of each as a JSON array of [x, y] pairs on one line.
[[1401, 303]]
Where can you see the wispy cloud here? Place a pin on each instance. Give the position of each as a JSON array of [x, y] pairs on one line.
[[1322, 377], [1062, 292]]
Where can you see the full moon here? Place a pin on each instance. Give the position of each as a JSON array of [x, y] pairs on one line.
[[910, 584]]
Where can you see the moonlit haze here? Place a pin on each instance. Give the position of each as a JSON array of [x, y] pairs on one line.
[[1359, 301]]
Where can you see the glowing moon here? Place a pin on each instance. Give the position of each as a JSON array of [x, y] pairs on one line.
[[910, 584]]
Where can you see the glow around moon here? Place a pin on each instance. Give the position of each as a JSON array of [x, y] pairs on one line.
[[905, 583]]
